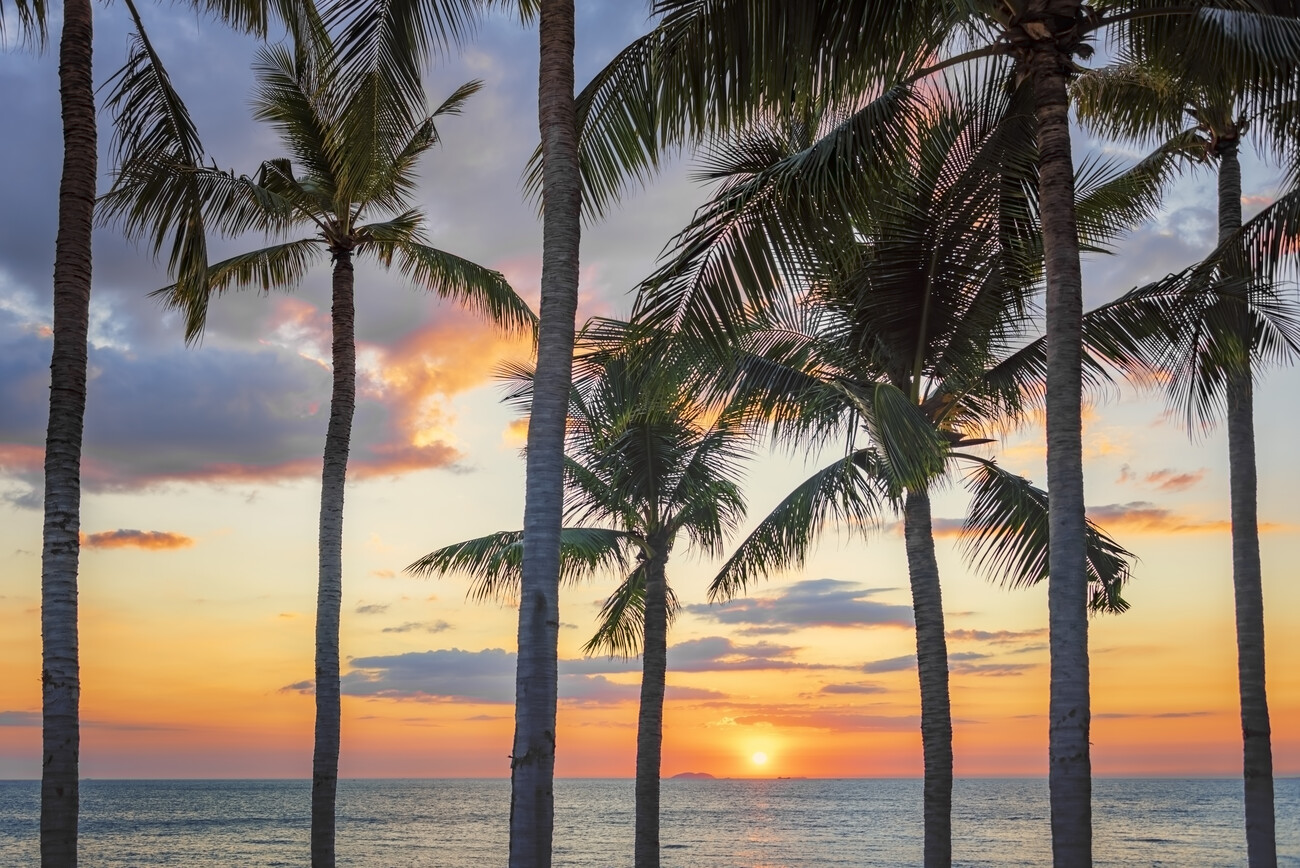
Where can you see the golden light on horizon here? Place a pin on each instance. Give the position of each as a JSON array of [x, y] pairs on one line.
[[759, 758]]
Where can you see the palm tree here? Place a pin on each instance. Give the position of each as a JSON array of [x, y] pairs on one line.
[[345, 161], [60, 551], [899, 327], [402, 30], [717, 64], [649, 459], [1145, 101], [61, 546], [532, 761]]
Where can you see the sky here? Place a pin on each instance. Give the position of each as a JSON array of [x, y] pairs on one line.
[[201, 494]]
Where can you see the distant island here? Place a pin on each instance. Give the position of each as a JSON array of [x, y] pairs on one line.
[[692, 776]]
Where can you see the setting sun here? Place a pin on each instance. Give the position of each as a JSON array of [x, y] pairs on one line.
[[759, 758]]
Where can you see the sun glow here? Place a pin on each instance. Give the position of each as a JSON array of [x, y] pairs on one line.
[[759, 758]]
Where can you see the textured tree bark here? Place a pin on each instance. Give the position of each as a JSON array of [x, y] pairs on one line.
[[1247, 571], [61, 546], [532, 763], [650, 721], [932, 668], [329, 592], [1069, 712]]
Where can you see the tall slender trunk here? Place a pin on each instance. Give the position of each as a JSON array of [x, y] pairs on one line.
[[329, 592], [650, 721], [61, 547], [1247, 573], [932, 667], [532, 763], [1069, 713]]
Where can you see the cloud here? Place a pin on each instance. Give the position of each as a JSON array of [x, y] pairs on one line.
[[996, 637], [20, 718], [383, 574], [811, 603], [372, 608], [992, 670], [305, 687], [836, 721], [486, 676], [225, 414], [151, 540], [720, 654], [419, 627], [861, 687], [708, 654], [890, 664], [959, 663], [1171, 480], [1162, 715], [1141, 516]]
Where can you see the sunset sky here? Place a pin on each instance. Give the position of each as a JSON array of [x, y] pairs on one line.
[[201, 479]]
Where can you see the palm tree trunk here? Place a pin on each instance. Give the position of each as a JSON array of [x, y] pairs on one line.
[[932, 667], [1069, 712], [532, 763], [60, 669], [650, 721], [1247, 573], [329, 593]]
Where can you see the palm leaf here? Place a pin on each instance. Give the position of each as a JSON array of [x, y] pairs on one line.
[[1006, 536], [494, 563], [621, 630], [850, 492], [450, 276]]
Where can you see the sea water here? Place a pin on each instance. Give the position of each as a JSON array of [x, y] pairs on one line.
[[705, 823]]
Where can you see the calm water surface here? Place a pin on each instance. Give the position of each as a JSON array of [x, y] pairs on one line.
[[706, 824]]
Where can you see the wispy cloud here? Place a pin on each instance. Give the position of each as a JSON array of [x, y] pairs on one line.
[[997, 637], [487, 676], [811, 603], [1142, 516], [419, 627], [150, 540], [20, 718], [1173, 480], [857, 688]]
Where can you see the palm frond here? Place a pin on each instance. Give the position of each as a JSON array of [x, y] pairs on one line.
[[1006, 536], [481, 289], [31, 14], [494, 563], [912, 451], [380, 50], [621, 630], [281, 266], [851, 492]]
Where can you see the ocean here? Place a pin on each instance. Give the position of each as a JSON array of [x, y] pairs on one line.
[[706, 824]]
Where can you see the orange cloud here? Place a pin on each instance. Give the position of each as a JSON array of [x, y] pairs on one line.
[[997, 637], [516, 433], [1171, 480], [17, 458], [151, 540], [1142, 516], [417, 377]]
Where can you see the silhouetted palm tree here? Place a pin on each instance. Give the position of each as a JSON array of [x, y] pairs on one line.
[[350, 157], [1212, 114], [719, 64], [648, 460]]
